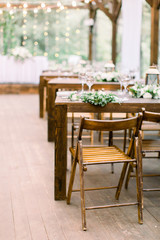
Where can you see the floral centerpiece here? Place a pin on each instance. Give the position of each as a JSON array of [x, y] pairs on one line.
[[97, 98], [145, 91], [20, 54], [106, 77]]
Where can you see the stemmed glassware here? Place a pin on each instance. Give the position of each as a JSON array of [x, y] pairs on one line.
[[126, 81], [120, 79], [89, 79], [82, 77]]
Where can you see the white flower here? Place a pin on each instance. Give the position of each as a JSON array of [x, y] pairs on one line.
[[104, 75], [109, 76], [74, 97], [101, 92], [20, 53], [142, 91], [158, 92], [147, 95], [98, 77]]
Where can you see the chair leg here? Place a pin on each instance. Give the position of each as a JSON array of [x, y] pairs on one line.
[[101, 117], [124, 142], [71, 181], [139, 178], [139, 191], [121, 179], [130, 169], [72, 137], [92, 137], [83, 211]]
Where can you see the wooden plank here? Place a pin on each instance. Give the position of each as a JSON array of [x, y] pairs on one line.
[[154, 32], [27, 206], [18, 88], [60, 153]]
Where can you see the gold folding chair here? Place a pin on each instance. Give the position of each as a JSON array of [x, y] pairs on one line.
[[148, 145], [87, 156]]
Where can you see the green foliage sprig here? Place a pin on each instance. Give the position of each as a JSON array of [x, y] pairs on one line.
[[98, 98]]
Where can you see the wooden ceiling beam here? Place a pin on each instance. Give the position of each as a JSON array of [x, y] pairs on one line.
[[117, 11], [150, 2], [103, 9]]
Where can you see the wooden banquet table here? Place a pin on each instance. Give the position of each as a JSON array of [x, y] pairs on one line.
[[62, 106], [44, 78], [69, 84]]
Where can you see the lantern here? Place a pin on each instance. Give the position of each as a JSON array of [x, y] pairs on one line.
[[152, 75], [109, 67]]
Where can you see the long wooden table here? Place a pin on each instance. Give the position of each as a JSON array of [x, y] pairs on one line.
[[44, 79], [62, 106], [69, 84]]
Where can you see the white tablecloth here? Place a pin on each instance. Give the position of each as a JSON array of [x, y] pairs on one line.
[[29, 71]]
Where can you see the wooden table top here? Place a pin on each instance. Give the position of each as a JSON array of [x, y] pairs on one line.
[[77, 81], [129, 105]]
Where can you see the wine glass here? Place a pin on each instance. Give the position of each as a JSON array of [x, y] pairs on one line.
[[82, 77], [120, 79], [126, 82], [89, 79]]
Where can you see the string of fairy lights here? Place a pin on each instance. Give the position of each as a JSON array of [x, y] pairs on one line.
[[25, 7]]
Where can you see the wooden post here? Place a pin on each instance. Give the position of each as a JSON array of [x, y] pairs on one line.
[[92, 14], [60, 153], [154, 32], [114, 42], [51, 113], [116, 7], [116, 11]]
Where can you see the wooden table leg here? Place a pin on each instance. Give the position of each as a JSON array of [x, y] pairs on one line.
[[51, 113], [41, 98], [60, 153]]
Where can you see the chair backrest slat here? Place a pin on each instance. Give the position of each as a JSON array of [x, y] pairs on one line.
[[110, 125], [151, 116]]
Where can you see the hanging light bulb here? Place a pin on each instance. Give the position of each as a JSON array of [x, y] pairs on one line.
[[11, 12], [59, 4], [48, 10], [74, 4], [43, 5], [35, 10], [25, 5], [8, 5], [24, 12], [61, 7]]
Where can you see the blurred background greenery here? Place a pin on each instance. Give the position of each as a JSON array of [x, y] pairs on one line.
[[59, 34]]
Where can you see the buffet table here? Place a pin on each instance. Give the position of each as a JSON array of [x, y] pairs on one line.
[[29, 71]]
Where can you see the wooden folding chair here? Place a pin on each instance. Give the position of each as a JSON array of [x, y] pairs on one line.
[[148, 146], [87, 156]]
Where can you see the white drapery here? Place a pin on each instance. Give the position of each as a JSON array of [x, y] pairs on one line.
[[131, 35], [29, 71]]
